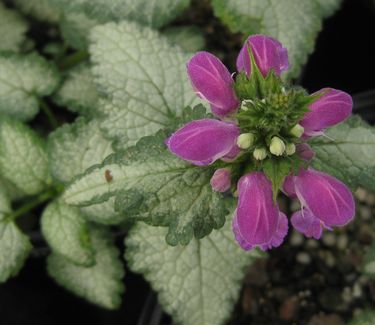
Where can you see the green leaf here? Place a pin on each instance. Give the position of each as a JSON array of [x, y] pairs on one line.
[[190, 114], [143, 76], [75, 29], [294, 23], [23, 79], [198, 283], [13, 29], [349, 156], [328, 7], [103, 213], [40, 9], [189, 38], [366, 317], [168, 191], [5, 206], [67, 233], [23, 158], [75, 147], [100, 284], [78, 92], [151, 13], [276, 170], [14, 245], [13, 192]]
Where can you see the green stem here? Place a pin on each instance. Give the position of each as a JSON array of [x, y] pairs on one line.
[[73, 59], [51, 117], [43, 197]]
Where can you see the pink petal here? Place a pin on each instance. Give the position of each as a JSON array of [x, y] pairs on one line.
[[221, 180], [279, 235], [203, 141], [237, 234], [213, 82], [327, 198], [268, 54], [232, 155], [288, 187], [304, 151], [257, 215], [332, 108], [305, 222]]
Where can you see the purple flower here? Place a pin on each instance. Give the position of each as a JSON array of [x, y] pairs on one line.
[[203, 141], [288, 187], [254, 136], [305, 152], [326, 202], [221, 180], [332, 108], [213, 82], [268, 54], [232, 155], [257, 220], [279, 235], [305, 222]]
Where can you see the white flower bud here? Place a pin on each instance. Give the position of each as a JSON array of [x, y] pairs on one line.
[[290, 149], [297, 131], [245, 140], [260, 153], [277, 146]]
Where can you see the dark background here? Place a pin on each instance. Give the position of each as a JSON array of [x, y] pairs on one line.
[[344, 58]]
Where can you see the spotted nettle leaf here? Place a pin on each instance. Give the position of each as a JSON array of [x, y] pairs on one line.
[[152, 185], [13, 29], [13, 192], [67, 233], [190, 114], [100, 283], [347, 152], [295, 23], [75, 147], [42, 10], [84, 259], [189, 38], [72, 149], [196, 284], [14, 245], [143, 78], [151, 13], [105, 212], [23, 157], [75, 29], [23, 80], [78, 92]]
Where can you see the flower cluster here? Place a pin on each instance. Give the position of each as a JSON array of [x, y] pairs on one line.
[[263, 121]]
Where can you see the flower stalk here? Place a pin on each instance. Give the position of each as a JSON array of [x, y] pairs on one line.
[[33, 203]]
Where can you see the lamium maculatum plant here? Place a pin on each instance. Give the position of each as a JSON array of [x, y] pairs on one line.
[[126, 148], [258, 143]]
